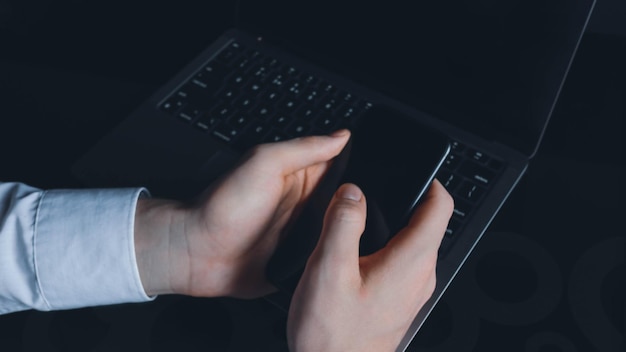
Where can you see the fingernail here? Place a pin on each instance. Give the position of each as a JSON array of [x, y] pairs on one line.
[[350, 192], [339, 133]]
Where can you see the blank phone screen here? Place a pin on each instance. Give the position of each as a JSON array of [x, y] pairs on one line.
[[393, 160]]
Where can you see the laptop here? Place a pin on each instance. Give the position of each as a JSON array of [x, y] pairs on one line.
[[485, 73]]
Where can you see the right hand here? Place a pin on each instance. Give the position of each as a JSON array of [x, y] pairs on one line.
[[220, 244], [344, 302]]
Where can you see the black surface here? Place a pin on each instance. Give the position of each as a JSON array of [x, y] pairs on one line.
[[547, 276]]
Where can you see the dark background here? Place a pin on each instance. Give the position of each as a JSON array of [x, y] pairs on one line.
[[547, 276]]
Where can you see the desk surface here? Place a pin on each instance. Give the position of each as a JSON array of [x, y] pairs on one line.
[[547, 276]]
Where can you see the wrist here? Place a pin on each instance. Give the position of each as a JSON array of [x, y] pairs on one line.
[[156, 222]]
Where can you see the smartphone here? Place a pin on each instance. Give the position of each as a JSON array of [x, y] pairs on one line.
[[393, 159]]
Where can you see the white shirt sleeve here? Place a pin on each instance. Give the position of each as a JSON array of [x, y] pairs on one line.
[[64, 249]]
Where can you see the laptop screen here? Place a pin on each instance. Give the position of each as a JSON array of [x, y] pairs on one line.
[[494, 67]]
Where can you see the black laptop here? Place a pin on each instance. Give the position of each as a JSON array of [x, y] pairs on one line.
[[486, 73]]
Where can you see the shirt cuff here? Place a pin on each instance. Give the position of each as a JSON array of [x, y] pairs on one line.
[[84, 248]]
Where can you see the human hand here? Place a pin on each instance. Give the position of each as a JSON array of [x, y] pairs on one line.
[[344, 302], [220, 245]]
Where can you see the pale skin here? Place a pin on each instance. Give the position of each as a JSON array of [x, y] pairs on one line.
[[220, 244]]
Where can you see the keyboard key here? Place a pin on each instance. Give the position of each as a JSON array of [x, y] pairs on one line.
[[481, 174], [239, 81], [242, 63], [457, 147], [298, 129], [196, 96], [310, 95], [478, 156], [253, 55], [345, 97], [288, 105], [294, 89], [328, 88], [188, 114], [207, 122], [470, 191], [453, 228], [239, 121], [310, 80], [281, 121], [347, 112], [329, 104], [306, 113], [228, 94], [211, 78], [260, 73], [278, 80], [271, 62], [173, 104], [327, 122], [227, 55], [452, 161], [251, 136], [290, 71], [244, 104], [271, 96], [461, 210], [254, 88], [222, 111], [225, 132], [275, 136], [448, 180], [262, 112]]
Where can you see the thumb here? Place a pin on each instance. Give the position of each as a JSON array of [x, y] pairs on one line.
[[344, 224]]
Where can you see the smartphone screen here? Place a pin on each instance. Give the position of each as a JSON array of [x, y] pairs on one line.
[[393, 159]]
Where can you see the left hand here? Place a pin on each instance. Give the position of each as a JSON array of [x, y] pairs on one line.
[[345, 302], [220, 245]]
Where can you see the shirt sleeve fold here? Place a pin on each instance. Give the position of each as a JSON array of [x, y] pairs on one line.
[[64, 249]]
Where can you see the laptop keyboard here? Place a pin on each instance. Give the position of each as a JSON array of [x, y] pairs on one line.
[[467, 174], [243, 97], [260, 99]]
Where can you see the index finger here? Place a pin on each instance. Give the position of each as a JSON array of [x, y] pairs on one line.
[[296, 154]]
